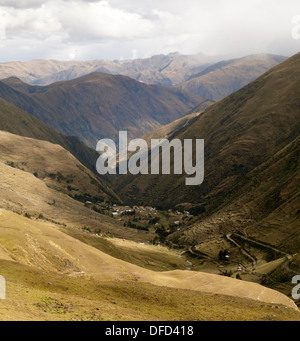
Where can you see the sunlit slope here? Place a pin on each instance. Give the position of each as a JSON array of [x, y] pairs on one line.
[[41, 245], [18, 121], [25, 194], [34, 294], [54, 165], [50, 272]]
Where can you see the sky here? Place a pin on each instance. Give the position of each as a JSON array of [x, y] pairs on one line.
[[130, 29]]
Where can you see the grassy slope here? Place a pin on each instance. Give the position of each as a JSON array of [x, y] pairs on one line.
[[24, 193], [35, 295], [40, 261], [57, 275], [54, 165], [17, 121], [264, 206]]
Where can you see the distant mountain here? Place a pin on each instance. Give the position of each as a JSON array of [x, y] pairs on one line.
[[99, 105], [222, 79], [31, 71], [209, 77], [162, 69]]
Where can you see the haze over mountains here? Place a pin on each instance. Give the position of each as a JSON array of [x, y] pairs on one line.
[[222, 79], [168, 69], [213, 78]]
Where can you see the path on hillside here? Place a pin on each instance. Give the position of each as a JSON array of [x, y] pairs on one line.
[[243, 251], [247, 239], [289, 256]]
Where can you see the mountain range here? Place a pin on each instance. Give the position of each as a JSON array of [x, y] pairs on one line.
[[98, 105], [18, 121], [222, 79], [162, 69], [213, 78]]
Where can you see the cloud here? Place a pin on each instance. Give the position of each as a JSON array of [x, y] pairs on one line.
[[101, 21], [76, 21], [115, 28], [21, 3]]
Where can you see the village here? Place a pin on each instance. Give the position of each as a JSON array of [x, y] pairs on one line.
[[160, 223]]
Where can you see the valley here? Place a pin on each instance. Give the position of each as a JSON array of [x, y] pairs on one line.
[[78, 246]]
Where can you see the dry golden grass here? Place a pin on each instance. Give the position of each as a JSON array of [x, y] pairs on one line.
[[36, 295], [52, 275], [42, 245], [51, 163]]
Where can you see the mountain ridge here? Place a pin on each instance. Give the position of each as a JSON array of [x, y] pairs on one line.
[[98, 105], [159, 69], [220, 80]]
